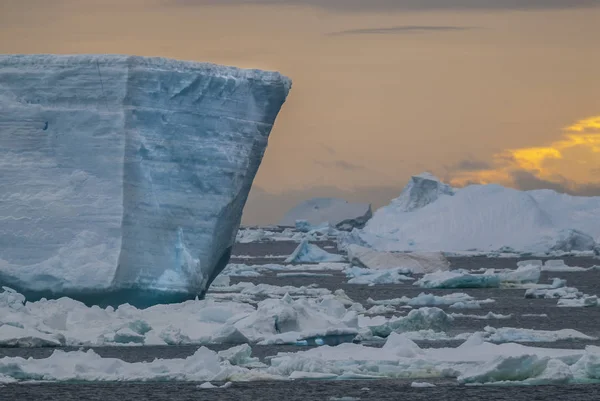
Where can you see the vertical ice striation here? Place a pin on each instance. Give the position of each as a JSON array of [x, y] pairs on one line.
[[123, 178]]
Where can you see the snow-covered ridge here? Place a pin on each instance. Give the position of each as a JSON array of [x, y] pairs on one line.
[[126, 174], [431, 216]]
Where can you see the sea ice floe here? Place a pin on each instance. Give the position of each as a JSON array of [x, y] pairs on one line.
[[488, 316], [584, 301], [68, 322], [371, 277], [489, 279], [473, 362], [414, 262], [510, 334], [417, 319], [424, 299], [558, 265], [422, 385]]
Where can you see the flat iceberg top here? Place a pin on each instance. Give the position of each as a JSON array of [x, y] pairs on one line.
[[162, 63], [126, 174]]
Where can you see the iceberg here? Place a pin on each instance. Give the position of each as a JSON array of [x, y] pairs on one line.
[[310, 253], [431, 216], [340, 213], [124, 177]]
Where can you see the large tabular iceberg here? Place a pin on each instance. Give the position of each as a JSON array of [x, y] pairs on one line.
[[431, 216], [124, 178]]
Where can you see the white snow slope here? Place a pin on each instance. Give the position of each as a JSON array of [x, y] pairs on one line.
[[125, 172], [430, 216]]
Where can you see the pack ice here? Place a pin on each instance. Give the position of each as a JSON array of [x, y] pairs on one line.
[[432, 216], [124, 178]]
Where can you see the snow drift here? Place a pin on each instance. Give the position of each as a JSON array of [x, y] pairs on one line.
[[124, 178], [431, 216]]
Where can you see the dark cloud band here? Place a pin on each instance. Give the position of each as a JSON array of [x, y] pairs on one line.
[[416, 5]]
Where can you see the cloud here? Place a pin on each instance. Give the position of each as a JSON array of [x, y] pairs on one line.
[[527, 181], [570, 164], [399, 30], [471, 165], [407, 5]]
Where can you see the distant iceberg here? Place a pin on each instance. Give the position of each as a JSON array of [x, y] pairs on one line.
[[124, 178], [431, 216], [339, 213]]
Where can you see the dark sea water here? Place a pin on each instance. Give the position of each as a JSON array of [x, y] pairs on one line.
[[508, 301]]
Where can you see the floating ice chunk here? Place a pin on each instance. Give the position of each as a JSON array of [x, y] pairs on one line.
[[583, 302], [466, 305], [414, 262], [523, 274], [206, 385], [560, 292], [489, 279], [509, 334], [131, 212], [269, 290], [533, 262], [418, 319], [401, 346], [458, 279], [304, 274], [235, 269], [560, 266], [304, 267], [489, 315], [296, 320], [240, 355], [203, 365], [11, 336], [510, 368], [310, 253], [422, 385], [380, 310], [372, 277], [424, 299]]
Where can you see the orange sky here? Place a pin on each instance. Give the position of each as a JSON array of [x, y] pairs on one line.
[[495, 98]]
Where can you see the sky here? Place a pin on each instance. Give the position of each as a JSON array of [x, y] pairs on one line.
[[474, 91]]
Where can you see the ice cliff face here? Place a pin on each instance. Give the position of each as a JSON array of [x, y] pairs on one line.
[[420, 191], [124, 178]]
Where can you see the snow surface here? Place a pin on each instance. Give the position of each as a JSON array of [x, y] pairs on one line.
[[126, 173], [338, 212], [430, 216]]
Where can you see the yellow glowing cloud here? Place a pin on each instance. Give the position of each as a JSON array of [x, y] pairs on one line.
[[572, 159]]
